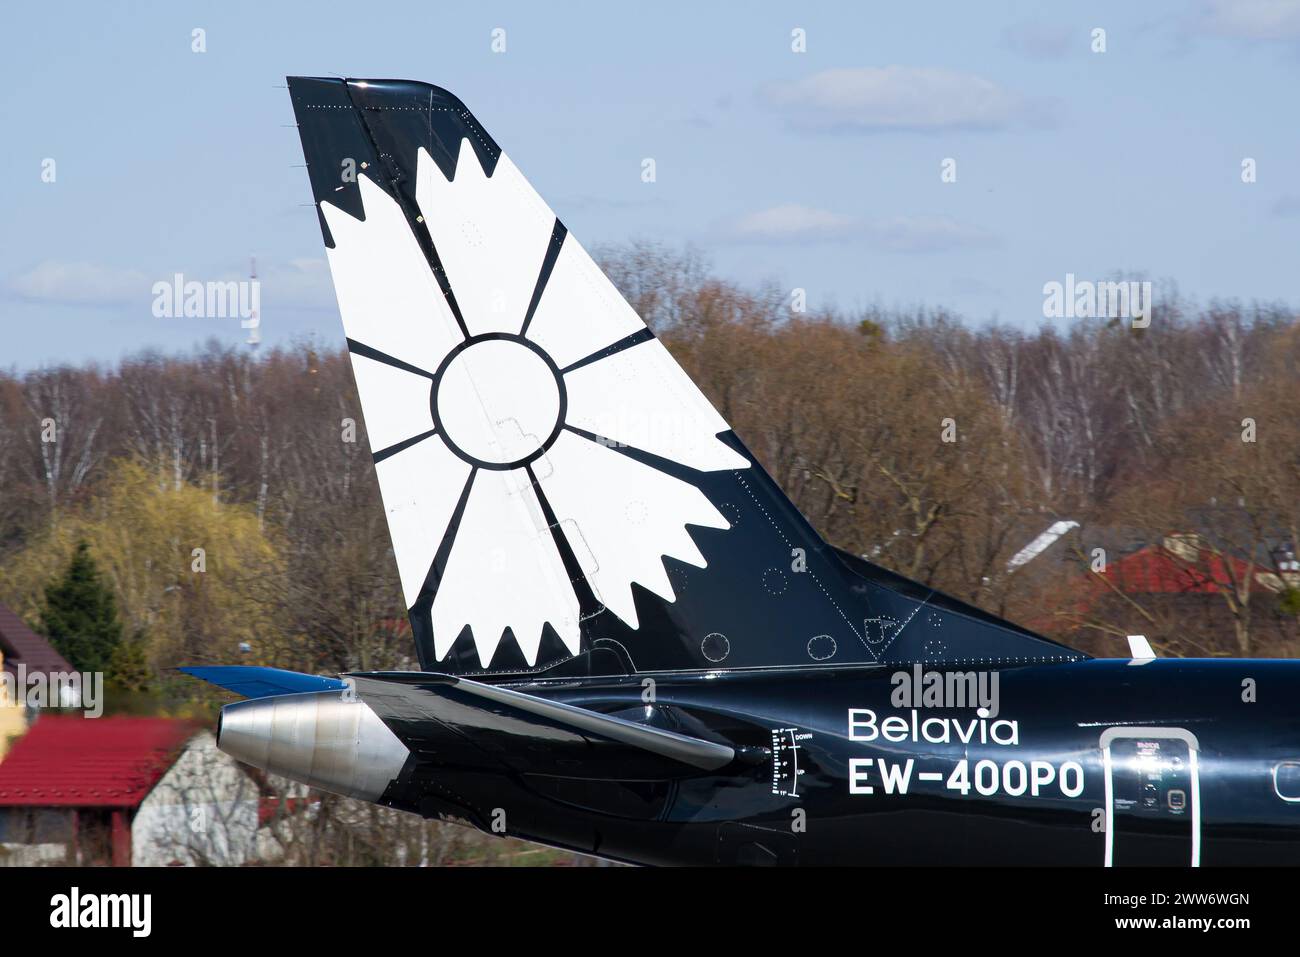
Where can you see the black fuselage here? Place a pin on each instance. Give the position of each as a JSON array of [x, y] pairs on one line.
[[1185, 761]]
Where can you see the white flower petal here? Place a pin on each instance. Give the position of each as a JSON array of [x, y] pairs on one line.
[[504, 570], [387, 295], [627, 515], [491, 234], [420, 486], [580, 311], [395, 402], [642, 398]]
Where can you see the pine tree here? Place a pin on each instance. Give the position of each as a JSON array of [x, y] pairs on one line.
[[80, 615]]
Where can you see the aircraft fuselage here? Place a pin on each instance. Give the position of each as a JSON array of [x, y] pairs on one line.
[[1182, 761]]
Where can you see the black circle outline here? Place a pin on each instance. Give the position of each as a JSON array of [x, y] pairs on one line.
[[559, 420]]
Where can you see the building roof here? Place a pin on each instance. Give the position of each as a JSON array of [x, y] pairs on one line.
[[1156, 569], [21, 646], [1173, 569], [71, 761]]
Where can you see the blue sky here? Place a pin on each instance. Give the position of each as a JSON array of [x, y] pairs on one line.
[[818, 170]]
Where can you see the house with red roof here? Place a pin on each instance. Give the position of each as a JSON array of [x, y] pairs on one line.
[[1181, 591], [122, 791]]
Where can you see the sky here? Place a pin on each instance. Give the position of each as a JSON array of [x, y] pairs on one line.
[[819, 169]]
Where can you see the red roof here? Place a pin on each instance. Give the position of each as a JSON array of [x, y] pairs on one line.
[[1156, 570], [71, 761]]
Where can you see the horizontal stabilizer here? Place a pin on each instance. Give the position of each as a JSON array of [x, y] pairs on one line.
[[564, 738], [256, 682], [1140, 648]]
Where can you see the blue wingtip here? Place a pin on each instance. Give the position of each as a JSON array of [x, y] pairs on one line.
[[253, 681]]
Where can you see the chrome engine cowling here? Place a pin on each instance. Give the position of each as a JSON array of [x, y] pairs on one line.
[[322, 739]]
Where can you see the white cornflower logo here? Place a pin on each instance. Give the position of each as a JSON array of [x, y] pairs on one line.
[[535, 415]]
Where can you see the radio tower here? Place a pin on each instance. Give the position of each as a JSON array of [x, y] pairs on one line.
[[254, 321]]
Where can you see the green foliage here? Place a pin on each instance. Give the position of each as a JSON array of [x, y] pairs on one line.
[[144, 531], [80, 615], [872, 331], [129, 669]]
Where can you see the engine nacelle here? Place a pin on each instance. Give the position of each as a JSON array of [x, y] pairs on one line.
[[319, 739]]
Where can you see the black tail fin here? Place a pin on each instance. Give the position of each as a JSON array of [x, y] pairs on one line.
[[560, 495]]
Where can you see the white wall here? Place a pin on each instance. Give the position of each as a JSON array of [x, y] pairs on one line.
[[203, 811]]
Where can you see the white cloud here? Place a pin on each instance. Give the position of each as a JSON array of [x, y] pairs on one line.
[[303, 282], [80, 283], [900, 98], [1253, 19], [793, 223]]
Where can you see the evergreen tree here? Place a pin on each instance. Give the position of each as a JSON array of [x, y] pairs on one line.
[[80, 615]]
